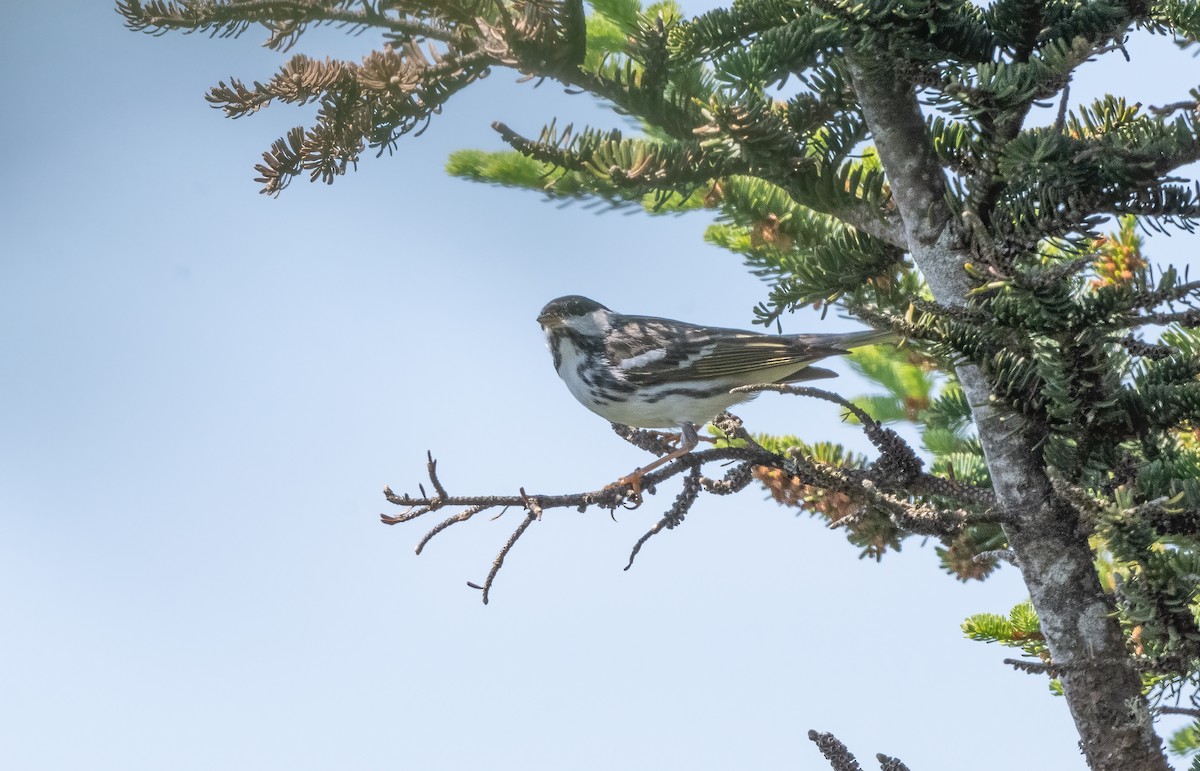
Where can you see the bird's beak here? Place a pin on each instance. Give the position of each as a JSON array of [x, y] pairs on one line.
[[548, 319]]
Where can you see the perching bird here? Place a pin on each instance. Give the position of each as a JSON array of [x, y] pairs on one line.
[[649, 372]]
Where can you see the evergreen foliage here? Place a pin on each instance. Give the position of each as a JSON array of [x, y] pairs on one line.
[[1019, 629], [751, 112]]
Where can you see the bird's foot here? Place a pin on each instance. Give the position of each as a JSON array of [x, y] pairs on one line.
[[687, 442], [677, 440], [633, 481], [668, 438]]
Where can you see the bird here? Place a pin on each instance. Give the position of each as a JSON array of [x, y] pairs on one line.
[[657, 373]]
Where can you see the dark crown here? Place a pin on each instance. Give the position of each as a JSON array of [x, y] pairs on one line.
[[569, 306]]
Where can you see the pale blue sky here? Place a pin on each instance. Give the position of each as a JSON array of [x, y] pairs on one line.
[[204, 391]]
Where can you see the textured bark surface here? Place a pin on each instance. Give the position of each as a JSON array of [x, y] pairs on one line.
[[1076, 616]]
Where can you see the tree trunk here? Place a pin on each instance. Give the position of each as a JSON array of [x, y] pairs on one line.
[[1077, 618]]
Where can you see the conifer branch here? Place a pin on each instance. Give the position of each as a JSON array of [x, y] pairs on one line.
[[1169, 293], [898, 467], [635, 164], [1141, 348], [715, 32], [766, 147], [1188, 318], [676, 117], [285, 20]]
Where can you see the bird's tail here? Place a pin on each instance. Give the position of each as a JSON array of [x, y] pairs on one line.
[[867, 337], [850, 340]]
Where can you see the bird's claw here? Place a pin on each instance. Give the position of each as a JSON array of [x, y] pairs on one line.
[[668, 438], [675, 440], [634, 483]]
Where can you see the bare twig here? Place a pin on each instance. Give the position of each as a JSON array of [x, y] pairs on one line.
[[499, 562], [1006, 555], [1035, 667], [462, 516], [1188, 711], [433, 477], [1167, 109], [674, 516], [610, 497], [735, 480], [893, 471]]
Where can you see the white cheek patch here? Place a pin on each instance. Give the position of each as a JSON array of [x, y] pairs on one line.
[[592, 324], [642, 359], [601, 319]]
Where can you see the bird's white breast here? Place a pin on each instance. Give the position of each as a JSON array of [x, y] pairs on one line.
[[648, 406], [570, 361]]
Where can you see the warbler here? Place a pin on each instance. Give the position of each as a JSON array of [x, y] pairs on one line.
[[650, 372]]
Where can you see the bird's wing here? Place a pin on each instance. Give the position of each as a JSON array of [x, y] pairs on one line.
[[652, 351]]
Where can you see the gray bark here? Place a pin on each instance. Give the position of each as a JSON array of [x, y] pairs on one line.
[[1077, 618]]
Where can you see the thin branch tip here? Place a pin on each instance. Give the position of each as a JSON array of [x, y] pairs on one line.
[[886, 485]]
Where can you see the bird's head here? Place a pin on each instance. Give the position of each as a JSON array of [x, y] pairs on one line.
[[576, 313]]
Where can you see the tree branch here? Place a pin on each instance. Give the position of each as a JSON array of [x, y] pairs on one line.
[[841, 759], [888, 763], [898, 464], [674, 516], [838, 755], [885, 227], [896, 469], [486, 589], [232, 19]]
